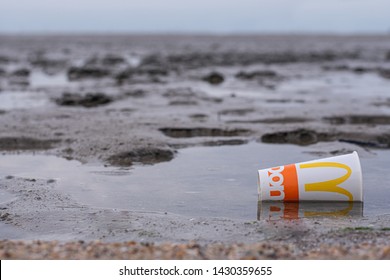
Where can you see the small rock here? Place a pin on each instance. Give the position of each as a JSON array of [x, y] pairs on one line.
[[214, 78]]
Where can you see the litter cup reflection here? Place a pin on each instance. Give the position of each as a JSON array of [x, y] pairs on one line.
[[279, 210], [336, 178]]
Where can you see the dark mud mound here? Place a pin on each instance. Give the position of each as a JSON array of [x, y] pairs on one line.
[[183, 96], [183, 103], [107, 60], [384, 73], [144, 74], [25, 143], [255, 75], [359, 119], [146, 70], [48, 65], [135, 93], [143, 155], [23, 72], [266, 78], [305, 137], [199, 117], [285, 101], [273, 120], [203, 132], [353, 69], [88, 101], [237, 112], [78, 73], [206, 59], [19, 77], [229, 142], [383, 140], [382, 103], [301, 137], [180, 92], [6, 59]]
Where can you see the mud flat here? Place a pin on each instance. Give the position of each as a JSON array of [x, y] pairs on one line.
[[145, 148]]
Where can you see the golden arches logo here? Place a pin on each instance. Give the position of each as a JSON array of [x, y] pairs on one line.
[[330, 185]]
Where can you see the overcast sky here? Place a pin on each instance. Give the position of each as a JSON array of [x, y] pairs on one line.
[[201, 16]]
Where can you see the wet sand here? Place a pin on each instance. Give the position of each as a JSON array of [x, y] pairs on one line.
[[125, 102]]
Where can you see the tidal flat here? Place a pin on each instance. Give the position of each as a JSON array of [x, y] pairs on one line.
[[146, 146]]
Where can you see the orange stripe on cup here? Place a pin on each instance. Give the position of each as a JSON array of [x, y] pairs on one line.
[[283, 183], [290, 211]]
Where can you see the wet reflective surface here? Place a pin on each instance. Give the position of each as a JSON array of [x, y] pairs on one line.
[[200, 181], [23, 100], [39, 79], [273, 211], [5, 197]]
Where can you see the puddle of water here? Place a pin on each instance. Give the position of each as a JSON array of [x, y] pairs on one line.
[[341, 85], [40, 79], [11, 232], [22, 100], [219, 91], [319, 84], [200, 181], [6, 197], [134, 60]]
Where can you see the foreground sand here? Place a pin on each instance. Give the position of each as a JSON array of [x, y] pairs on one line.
[[189, 251]]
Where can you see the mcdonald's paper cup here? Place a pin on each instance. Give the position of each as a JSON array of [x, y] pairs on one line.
[[336, 178]]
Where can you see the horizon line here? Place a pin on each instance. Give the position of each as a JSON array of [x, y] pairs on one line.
[[194, 33]]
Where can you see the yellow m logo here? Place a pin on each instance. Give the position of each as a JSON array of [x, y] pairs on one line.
[[331, 185]]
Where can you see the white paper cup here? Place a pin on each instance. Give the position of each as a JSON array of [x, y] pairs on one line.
[[336, 178]]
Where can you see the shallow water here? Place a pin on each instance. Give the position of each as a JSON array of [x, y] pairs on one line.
[[10, 100], [5, 197], [199, 182], [39, 79]]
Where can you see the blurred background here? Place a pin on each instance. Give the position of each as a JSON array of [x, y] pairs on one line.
[[201, 16]]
